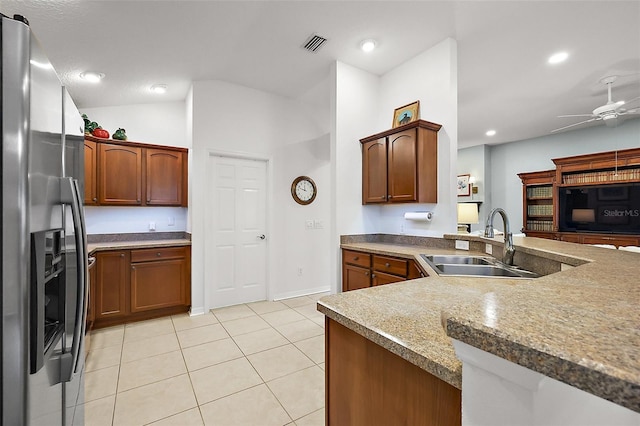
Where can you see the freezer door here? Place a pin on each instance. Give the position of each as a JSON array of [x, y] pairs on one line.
[[45, 393]]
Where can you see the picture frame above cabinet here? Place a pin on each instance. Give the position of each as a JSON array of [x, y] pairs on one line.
[[401, 165]]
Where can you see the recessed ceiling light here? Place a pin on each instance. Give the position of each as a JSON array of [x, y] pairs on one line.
[[368, 45], [556, 58], [91, 76], [490, 132], [159, 88]]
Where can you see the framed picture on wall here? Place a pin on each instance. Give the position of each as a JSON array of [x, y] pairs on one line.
[[406, 114], [464, 186]]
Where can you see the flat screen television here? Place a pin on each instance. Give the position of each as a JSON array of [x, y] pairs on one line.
[[611, 209]]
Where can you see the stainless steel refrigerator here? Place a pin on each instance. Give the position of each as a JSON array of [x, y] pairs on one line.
[[44, 259]]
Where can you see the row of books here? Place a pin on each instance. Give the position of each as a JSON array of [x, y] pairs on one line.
[[596, 177], [540, 210], [534, 192], [539, 225]]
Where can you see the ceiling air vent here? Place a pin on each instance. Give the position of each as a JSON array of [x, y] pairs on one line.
[[314, 43]]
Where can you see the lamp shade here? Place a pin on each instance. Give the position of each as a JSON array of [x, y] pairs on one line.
[[467, 213], [583, 215]]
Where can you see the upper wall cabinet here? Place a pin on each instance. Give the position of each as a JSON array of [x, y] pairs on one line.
[[401, 165], [131, 174]]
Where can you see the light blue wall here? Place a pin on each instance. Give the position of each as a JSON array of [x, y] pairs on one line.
[[504, 162]]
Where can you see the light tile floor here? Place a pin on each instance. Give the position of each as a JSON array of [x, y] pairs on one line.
[[258, 363]]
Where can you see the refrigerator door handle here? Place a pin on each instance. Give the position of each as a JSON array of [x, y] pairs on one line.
[[70, 192]]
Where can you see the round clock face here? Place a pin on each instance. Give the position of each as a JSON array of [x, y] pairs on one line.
[[303, 190]]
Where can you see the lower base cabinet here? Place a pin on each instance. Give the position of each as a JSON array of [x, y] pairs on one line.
[[362, 270], [134, 285], [368, 385]]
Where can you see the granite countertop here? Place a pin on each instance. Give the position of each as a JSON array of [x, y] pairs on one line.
[[130, 245], [580, 326]]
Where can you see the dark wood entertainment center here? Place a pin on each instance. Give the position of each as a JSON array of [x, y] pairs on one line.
[[541, 204]]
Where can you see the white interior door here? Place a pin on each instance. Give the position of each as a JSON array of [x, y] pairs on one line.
[[237, 250]]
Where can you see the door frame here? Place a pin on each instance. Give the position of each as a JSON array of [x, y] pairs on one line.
[[268, 220]]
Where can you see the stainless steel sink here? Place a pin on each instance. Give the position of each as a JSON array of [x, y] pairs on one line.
[[474, 266], [459, 260]]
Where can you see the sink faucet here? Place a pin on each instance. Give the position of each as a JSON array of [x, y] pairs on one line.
[[509, 250]]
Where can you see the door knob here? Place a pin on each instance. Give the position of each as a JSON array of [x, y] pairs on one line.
[[262, 237]]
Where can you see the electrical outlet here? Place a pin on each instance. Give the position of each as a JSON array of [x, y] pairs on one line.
[[152, 226], [488, 248], [172, 221], [299, 271], [462, 245], [308, 224]]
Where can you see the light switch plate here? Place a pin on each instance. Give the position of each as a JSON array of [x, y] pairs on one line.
[[462, 245], [488, 248]]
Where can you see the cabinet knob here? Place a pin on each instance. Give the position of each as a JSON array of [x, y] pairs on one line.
[[373, 275], [133, 267], [356, 258], [387, 264], [121, 254], [95, 199], [383, 197], [366, 273], [148, 200], [389, 197], [158, 254]]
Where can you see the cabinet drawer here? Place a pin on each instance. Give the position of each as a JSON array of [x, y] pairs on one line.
[[622, 241], [356, 258], [390, 265], [161, 253]]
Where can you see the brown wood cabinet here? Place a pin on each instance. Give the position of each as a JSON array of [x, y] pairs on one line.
[[541, 192], [401, 165], [112, 285], [368, 385], [133, 285], [121, 173], [362, 270], [90, 168], [159, 278], [164, 177]]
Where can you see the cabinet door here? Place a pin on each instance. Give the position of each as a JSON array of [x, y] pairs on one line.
[[120, 175], [90, 173], [380, 278], [112, 284], [374, 171], [401, 162], [355, 277], [164, 177], [156, 285]]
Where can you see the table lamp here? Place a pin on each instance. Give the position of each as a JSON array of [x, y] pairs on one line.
[[467, 214]]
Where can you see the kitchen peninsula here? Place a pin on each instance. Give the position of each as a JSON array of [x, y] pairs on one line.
[[577, 324]]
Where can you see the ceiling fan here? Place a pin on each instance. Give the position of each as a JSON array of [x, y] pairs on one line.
[[608, 112]]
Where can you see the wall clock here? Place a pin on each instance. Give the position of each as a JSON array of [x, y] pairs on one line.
[[303, 190]]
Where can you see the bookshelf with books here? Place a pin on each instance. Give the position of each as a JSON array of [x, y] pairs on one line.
[[538, 203], [587, 199]]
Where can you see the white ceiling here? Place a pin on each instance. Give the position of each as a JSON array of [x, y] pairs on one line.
[[504, 81]]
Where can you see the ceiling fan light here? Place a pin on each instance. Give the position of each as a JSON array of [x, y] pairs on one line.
[[556, 58]]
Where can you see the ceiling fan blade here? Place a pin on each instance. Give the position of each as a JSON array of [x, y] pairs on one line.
[[576, 115], [575, 124], [630, 101]]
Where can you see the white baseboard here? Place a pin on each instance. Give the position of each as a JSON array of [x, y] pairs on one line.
[[303, 292], [196, 311]]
